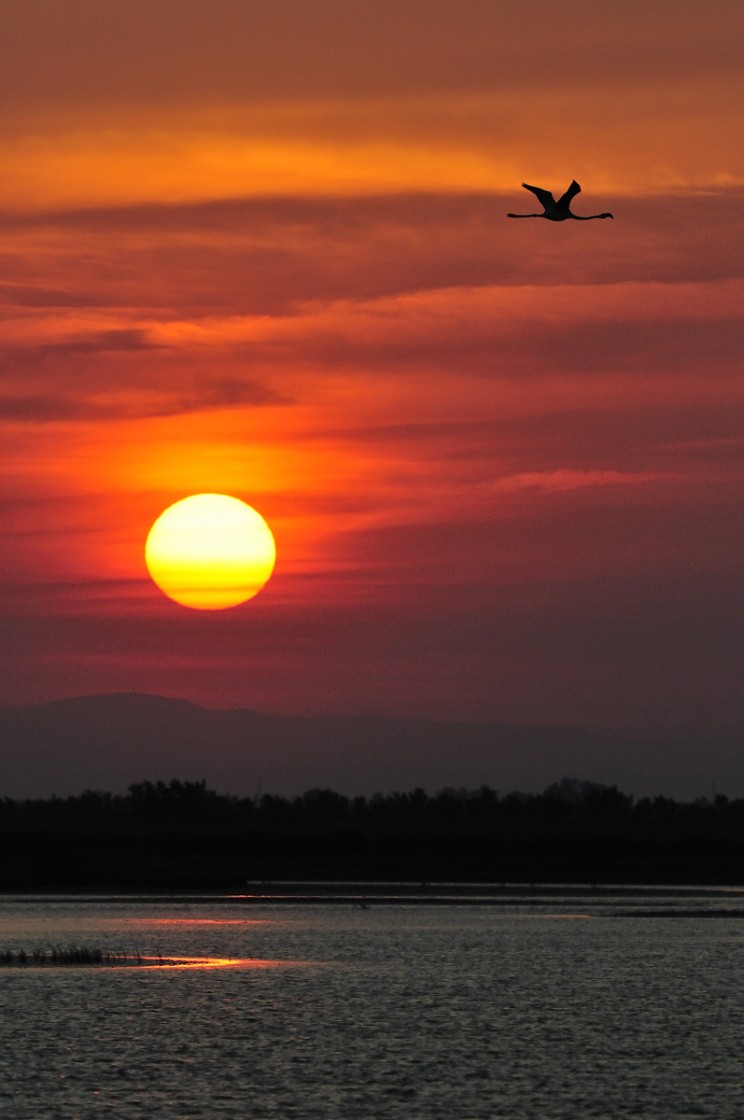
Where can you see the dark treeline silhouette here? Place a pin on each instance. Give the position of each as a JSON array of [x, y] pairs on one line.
[[181, 835]]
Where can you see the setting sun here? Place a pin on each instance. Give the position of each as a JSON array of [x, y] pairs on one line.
[[210, 551]]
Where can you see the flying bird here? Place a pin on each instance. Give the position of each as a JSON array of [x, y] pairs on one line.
[[560, 210]]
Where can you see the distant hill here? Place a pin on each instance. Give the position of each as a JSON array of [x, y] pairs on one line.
[[109, 742]]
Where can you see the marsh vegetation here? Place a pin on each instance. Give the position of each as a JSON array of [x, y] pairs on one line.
[[57, 956]]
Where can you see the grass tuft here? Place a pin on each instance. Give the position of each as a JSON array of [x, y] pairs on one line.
[[73, 955]]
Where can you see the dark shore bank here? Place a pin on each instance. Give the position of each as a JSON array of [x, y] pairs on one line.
[[185, 837]]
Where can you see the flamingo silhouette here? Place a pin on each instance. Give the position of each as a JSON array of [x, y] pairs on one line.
[[557, 211]]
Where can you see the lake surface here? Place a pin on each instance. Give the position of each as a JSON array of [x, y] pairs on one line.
[[543, 1008]]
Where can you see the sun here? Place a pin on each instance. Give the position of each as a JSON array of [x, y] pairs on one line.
[[210, 551]]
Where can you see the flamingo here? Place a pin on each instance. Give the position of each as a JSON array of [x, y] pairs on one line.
[[557, 211]]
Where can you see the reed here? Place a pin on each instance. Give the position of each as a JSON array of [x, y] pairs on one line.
[[74, 955]]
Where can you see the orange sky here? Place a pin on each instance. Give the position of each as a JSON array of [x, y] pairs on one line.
[[261, 248]]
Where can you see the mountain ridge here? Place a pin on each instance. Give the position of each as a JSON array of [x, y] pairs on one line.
[[109, 741]]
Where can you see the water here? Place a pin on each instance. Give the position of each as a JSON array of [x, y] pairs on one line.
[[568, 1008]]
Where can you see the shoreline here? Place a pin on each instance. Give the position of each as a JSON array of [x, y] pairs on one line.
[[295, 892]]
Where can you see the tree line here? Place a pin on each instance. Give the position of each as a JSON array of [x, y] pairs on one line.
[[182, 835]]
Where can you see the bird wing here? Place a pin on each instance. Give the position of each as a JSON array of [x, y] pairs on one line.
[[544, 197], [565, 200]]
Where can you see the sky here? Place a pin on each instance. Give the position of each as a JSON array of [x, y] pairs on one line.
[[260, 248]]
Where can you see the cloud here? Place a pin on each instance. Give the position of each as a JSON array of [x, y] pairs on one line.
[[559, 481], [39, 409], [19, 295], [161, 400], [90, 343]]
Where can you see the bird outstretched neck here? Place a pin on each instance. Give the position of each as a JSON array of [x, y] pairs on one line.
[[559, 211]]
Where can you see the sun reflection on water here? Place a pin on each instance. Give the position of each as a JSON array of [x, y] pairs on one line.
[[216, 962], [202, 921]]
